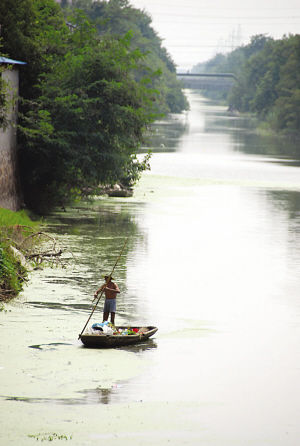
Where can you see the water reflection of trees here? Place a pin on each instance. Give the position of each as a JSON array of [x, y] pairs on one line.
[[288, 201], [243, 131], [165, 134], [95, 233], [251, 143]]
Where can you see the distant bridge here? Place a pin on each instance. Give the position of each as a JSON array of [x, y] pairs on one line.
[[220, 81]]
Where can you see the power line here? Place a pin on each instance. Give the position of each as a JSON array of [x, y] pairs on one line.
[[193, 18], [203, 46]]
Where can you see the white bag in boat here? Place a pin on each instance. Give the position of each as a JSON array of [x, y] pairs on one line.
[[107, 330]]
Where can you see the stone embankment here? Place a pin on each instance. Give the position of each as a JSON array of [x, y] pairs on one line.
[[9, 188]]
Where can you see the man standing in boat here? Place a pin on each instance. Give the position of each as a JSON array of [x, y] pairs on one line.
[[111, 290]]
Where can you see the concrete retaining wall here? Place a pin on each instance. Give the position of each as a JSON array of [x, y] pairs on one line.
[[9, 186]]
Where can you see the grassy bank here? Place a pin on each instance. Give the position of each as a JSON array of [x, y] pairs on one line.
[[14, 228]]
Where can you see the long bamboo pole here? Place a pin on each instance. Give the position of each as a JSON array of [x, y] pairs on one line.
[[102, 291]]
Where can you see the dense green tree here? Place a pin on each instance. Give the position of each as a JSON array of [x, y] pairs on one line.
[[87, 124], [269, 84], [88, 92], [33, 31], [286, 111], [268, 73], [87, 98], [234, 61], [117, 17]]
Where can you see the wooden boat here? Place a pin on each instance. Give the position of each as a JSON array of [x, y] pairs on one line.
[[102, 340]]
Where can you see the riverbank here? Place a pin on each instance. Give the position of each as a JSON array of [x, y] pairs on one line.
[[263, 127], [15, 227], [257, 125]]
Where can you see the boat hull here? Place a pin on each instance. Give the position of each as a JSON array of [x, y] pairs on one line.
[[111, 341]]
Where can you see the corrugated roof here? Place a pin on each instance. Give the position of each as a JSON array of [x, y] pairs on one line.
[[11, 61]]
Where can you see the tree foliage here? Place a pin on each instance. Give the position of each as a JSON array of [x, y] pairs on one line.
[[87, 123], [118, 17], [268, 84], [33, 31], [88, 93]]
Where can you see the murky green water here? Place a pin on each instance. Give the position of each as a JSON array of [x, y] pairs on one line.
[[213, 259]]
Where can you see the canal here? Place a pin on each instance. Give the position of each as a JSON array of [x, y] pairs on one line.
[[213, 260]]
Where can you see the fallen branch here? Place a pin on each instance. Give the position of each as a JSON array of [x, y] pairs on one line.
[[44, 254], [50, 251]]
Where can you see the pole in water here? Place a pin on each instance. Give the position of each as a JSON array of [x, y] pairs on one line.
[[108, 279]]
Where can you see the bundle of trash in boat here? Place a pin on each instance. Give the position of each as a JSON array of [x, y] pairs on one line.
[[106, 328]]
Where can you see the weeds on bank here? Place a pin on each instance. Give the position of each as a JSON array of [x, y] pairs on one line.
[[14, 226], [2, 308], [12, 273], [50, 437], [22, 246], [11, 218]]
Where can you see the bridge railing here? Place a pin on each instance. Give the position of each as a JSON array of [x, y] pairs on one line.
[[223, 75]]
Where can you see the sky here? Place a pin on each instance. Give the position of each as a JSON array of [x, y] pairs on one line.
[[193, 31]]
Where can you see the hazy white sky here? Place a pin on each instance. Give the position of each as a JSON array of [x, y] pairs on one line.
[[194, 30]]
